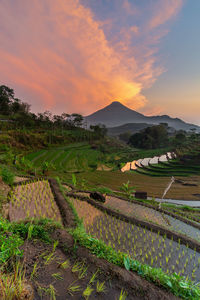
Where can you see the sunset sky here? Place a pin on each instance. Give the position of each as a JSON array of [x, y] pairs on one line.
[[80, 55]]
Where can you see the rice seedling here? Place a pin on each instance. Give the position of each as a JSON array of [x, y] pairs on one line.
[[34, 271], [100, 287], [50, 291], [49, 258], [65, 264], [93, 277], [87, 292], [77, 267], [33, 199], [30, 231], [73, 288], [149, 247], [83, 272], [123, 295], [57, 276]]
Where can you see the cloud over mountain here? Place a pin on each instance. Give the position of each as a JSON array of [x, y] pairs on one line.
[[60, 55]]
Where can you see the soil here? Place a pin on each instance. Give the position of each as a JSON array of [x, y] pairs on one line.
[[115, 279], [135, 210], [103, 168], [4, 190], [20, 179]]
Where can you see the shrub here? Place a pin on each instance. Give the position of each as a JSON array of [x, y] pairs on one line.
[[24, 164], [9, 242], [7, 176], [93, 166], [4, 147]]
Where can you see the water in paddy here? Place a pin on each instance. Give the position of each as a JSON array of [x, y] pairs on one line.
[[149, 214], [140, 243]]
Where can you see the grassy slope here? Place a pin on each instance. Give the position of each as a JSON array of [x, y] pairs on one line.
[[75, 157], [154, 186]]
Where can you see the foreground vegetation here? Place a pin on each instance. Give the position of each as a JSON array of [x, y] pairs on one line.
[[176, 283]]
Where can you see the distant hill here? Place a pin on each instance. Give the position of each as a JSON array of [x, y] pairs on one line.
[[130, 127], [117, 114]]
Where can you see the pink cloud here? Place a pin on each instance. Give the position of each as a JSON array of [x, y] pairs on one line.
[[164, 10], [56, 55]]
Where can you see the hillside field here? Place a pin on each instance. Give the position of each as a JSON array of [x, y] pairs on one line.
[[71, 158]]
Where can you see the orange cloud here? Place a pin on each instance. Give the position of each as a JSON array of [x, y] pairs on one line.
[[155, 110], [57, 56]]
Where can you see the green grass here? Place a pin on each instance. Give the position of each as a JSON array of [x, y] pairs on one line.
[[40, 229], [34, 155], [10, 241], [79, 157], [168, 170], [72, 158], [13, 235], [75, 158]]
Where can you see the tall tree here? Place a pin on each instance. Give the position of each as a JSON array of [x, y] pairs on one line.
[[6, 98], [150, 138], [77, 120]]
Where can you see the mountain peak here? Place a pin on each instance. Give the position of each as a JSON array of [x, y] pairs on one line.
[[116, 104], [113, 114], [117, 114]]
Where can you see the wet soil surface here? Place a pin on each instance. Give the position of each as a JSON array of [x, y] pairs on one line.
[[135, 210], [70, 274], [195, 203], [33, 200], [4, 206], [186, 229], [4, 188], [146, 246], [151, 215]]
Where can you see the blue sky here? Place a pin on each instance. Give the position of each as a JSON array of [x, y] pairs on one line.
[[80, 55], [179, 85]]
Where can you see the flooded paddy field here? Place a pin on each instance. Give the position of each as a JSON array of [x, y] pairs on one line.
[[33, 200], [140, 243]]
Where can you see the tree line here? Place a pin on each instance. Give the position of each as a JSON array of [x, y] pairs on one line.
[[19, 112], [157, 136]]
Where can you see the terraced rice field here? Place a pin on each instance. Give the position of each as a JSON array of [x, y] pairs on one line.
[[72, 158], [140, 243], [135, 210], [186, 165], [33, 200], [151, 215], [170, 168]]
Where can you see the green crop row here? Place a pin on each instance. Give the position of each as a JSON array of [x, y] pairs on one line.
[[148, 247], [67, 158], [177, 284], [33, 200]]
